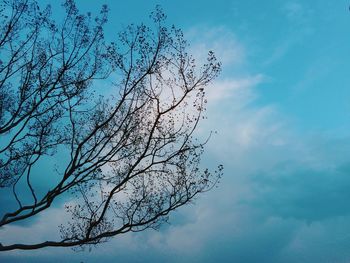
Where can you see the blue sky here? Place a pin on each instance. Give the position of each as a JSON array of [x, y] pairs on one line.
[[281, 109]]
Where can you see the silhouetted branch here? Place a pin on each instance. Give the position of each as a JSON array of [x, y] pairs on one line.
[[129, 159]]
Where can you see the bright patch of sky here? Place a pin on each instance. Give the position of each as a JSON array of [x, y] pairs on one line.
[[281, 109]]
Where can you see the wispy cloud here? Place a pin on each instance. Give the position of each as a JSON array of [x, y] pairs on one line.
[[224, 42]]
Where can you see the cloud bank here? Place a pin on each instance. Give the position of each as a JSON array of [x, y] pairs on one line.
[[283, 198]]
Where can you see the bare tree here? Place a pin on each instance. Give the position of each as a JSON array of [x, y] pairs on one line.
[[124, 161]]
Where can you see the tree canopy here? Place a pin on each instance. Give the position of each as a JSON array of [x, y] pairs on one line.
[[118, 162]]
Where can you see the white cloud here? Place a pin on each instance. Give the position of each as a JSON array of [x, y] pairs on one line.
[[229, 51]]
